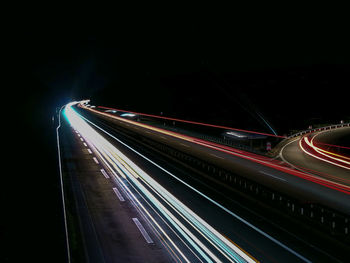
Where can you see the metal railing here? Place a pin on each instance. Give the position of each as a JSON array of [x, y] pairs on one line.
[[329, 127]]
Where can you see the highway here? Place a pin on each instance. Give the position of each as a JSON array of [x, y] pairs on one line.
[[300, 183], [137, 207], [111, 228]]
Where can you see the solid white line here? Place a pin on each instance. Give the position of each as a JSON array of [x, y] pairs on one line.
[[121, 198], [142, 230], [317, 157], [104, 173], [62, 188], [151, 220], [268, 174]]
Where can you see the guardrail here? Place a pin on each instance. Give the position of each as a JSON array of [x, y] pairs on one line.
[[258, 146], [330, 127], [314, 215]]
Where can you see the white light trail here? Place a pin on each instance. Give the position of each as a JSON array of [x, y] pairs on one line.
[[158, 194]]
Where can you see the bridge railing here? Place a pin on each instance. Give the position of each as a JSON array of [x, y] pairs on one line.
[[329, 127]]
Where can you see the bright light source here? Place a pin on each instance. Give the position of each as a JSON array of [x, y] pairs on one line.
[[236, 134], [127, 115]]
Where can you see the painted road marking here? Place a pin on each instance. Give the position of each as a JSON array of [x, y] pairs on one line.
[[89, 151], [217, 156], [121, 198], [95, 159], [273, 176], [104, 173], [206, 197], [142, 230]]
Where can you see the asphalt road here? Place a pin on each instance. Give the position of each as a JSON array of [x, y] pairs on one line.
[[107, 223], [265, 171], [253, 240]]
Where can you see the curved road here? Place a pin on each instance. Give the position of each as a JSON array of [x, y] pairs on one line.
[[293, 154]]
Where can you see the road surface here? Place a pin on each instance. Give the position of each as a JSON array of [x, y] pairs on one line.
[[135, 207], [317, 163]]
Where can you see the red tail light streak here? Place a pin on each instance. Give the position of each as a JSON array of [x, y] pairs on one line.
[[308, 146], [229, 150], [193, 122], [209, 244]]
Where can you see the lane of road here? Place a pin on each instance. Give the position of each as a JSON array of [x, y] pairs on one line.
[[113, 227], [196, 233], [191, 208], [186, 223], [271, 172]]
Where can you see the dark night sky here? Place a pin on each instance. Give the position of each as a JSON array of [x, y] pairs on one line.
[[222, 65]]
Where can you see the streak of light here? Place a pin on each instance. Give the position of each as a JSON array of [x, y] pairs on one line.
[[245, 155], [333, 145], [67, 243], [193, 122], [158, 230], [159, 195], [307, 169], [268, 124], [127, 115], [329, 153], [310, 144], [113, 168]]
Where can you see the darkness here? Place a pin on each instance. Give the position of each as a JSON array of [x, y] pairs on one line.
[[226, 66]]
